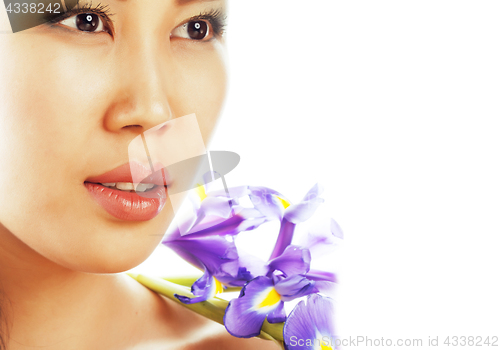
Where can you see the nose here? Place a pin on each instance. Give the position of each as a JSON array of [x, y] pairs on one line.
[[141, 99]]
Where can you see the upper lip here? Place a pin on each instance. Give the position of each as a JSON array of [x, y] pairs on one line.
[[123, 173]]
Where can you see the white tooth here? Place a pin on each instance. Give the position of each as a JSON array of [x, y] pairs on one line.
[[109, 184], [144, 187], [125, 186], [141, 187]]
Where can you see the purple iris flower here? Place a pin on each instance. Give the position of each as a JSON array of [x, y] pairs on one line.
[[288, 276], [264, 296], [208, 243], [294, 214], [310, 325]]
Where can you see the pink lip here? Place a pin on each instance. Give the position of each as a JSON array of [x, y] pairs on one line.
[[131, 206]]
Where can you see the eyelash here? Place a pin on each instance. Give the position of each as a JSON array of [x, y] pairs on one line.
[[215, 18], [102, 11]]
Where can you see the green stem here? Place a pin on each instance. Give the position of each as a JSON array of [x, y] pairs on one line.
[[189, 280], [213, 308], [183, 281]]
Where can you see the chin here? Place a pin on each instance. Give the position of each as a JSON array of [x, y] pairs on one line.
[[106, 260], [105, 250]]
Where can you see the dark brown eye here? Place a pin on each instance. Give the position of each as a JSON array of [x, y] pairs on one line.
[[87, 22], [197, 30]]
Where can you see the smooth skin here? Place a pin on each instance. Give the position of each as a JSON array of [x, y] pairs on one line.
[[70, 103]]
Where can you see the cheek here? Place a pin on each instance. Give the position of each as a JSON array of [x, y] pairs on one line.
[[201, 88], [45, 122], [51, 108]]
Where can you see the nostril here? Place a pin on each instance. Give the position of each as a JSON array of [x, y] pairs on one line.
[[135, 128]]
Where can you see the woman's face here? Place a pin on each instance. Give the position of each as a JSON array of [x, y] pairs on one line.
[[74, 94]]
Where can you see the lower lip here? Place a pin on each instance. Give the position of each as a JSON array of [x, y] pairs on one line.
[[128, 206]]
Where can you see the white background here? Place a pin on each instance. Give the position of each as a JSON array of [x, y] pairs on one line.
[[393, 107]]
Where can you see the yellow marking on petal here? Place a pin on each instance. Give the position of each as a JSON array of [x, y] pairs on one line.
[[325, 347], [219, 288], [200, 191], [285, 203], [272, 298]]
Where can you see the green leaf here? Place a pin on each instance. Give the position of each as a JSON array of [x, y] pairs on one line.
[[213, 308]]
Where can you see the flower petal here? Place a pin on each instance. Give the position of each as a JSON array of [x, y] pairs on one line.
[[245, 315], [218, 207], [267, 203], [203, 288], [310, 324], [303, 210], [325, 282], [278, 315], [246, 268], [294, 260], [295, 214], [321, 239], [314, 192], [325, 287], [294, 287], [285, 237], [206, 253], [213, 247], [214, 225], [318, 275], [240, 274], [255, 265], [255, 189]]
